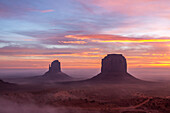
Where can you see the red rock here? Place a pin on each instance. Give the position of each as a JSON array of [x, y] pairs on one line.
[[114, 63], [114, 69], [55, 72], [55, 66]]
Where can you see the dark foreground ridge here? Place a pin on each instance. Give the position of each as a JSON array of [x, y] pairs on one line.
[[55, 72], [6, 85], [2, 82], [114, 69]]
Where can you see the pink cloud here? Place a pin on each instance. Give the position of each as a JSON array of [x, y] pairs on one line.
[[72, 42], [116, 38], [129, 7], [46, 11]]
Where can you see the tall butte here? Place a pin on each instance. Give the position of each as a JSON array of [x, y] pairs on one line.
[[114, 69], [55, 72]]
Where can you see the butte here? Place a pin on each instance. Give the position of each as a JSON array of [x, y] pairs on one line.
[[55, 72], [114, 70]]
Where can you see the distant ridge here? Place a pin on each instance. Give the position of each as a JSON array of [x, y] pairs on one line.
[[6, 85]]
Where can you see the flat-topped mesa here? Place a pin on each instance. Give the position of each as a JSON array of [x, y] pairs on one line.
[[114, 63], [114, 70], [55, 67]]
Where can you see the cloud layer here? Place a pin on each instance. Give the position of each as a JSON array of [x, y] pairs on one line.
[[80, 33]]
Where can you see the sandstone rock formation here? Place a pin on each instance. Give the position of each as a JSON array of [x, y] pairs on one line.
[[55, 67], [114, 63], [114, 69], [54, 72]]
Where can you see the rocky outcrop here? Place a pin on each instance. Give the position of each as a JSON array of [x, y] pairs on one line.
[[55, 72], [55, 67], [114, 63], [114, 69]]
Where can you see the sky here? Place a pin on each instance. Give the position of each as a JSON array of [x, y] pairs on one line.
[[79, 33]]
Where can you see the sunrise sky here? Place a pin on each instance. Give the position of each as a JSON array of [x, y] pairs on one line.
[[79, 33]]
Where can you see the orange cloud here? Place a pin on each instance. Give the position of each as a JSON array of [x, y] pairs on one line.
[[138, 54], [72, 42], [101, 36], [114, 38], [134, 40]]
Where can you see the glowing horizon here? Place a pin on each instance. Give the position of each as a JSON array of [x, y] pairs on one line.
[[80, 33]]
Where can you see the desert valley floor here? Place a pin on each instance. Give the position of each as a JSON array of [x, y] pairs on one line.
[[86, 98]]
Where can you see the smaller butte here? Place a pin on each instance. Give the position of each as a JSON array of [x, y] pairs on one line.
[[55, 72]]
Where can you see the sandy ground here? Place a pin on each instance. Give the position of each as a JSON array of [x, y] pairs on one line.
[[86, 98]]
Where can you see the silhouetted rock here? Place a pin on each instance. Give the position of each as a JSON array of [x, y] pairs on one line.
[[114, 69], [6, 85], [55, 67], [55, 73], [1, 82], [114, 63]]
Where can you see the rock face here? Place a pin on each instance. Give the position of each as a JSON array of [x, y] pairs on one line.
[[114, 69], [55, 67], [55, 73], [114, 63]]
